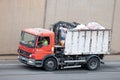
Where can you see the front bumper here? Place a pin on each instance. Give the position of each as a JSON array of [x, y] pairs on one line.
[[30, 61]]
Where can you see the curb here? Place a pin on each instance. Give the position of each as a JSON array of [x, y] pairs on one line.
[[8, 54], [114, 54]]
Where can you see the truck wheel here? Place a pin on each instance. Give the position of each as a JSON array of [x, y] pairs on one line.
[[93, 63], [50, 64]]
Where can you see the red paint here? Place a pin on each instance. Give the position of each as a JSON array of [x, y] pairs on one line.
[[39, 53]]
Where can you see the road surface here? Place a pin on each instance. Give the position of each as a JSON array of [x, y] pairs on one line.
[[14, 70]]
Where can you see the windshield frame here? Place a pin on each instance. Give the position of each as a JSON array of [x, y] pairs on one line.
[[21, 42]]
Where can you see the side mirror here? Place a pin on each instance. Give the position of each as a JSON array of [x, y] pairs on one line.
[[39, 45]]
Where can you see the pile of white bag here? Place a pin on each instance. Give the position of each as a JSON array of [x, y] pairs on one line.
[[90, 25]]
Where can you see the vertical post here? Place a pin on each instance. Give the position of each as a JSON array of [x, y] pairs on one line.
[[113, 16], [45, 10]]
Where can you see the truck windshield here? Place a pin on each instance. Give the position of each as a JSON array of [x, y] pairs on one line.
[[28, 39]]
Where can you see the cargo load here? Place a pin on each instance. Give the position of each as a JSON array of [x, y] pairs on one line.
[[87, 42]]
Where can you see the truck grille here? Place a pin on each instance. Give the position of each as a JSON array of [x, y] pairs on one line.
[[22, 52]]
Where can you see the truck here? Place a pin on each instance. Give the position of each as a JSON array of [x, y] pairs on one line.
[[82, 48]]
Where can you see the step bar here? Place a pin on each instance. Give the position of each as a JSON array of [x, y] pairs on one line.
[[72, 61]]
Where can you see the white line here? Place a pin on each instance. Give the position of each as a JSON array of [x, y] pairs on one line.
[[9, 64]]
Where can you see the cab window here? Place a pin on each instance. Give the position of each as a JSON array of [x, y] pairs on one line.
[[43, 41]]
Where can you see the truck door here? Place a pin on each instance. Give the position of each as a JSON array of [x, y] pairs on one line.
[[44, 46]]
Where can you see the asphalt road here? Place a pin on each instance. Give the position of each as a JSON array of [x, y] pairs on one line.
[[14, 70]]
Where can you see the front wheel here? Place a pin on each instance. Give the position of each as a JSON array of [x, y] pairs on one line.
[[93, 63], [50, 64]]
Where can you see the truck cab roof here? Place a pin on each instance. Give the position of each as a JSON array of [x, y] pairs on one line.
[[38, 31]]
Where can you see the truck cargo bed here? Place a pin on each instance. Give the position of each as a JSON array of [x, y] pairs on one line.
[[79, 42]]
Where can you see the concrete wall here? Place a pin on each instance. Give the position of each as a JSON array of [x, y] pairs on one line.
[[19, 14], [82, 11], [116, 28], [16, 15], [105, 12]]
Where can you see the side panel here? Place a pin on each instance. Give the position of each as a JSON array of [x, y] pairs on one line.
[[81, 42], [106, 41], [93, 41], [68, 44], [87, 42], [99, 42], [75, 42]]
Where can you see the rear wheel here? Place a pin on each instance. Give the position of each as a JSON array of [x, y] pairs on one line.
[[50, 64], [93, 63]]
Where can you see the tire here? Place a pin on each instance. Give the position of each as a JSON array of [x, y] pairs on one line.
[[50, 64], [93, 63]]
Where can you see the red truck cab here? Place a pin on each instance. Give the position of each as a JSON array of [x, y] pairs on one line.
[[31, 50]]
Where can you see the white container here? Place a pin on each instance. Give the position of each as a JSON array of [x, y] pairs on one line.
[[80, 42]]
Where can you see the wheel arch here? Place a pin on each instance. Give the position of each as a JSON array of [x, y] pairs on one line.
[[50, 56], [92, 56]]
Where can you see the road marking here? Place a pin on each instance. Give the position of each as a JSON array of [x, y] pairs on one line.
[[9, 64]]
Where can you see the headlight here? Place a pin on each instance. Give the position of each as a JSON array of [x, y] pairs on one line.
[[31, 62], [30, 55]]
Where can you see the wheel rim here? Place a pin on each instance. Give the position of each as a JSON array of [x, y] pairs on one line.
[[93, 64], [50, 64]]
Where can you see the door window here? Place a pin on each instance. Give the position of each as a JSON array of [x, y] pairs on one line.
[[43, 41]]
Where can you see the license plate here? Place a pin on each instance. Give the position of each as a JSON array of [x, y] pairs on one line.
[[23, 58]]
